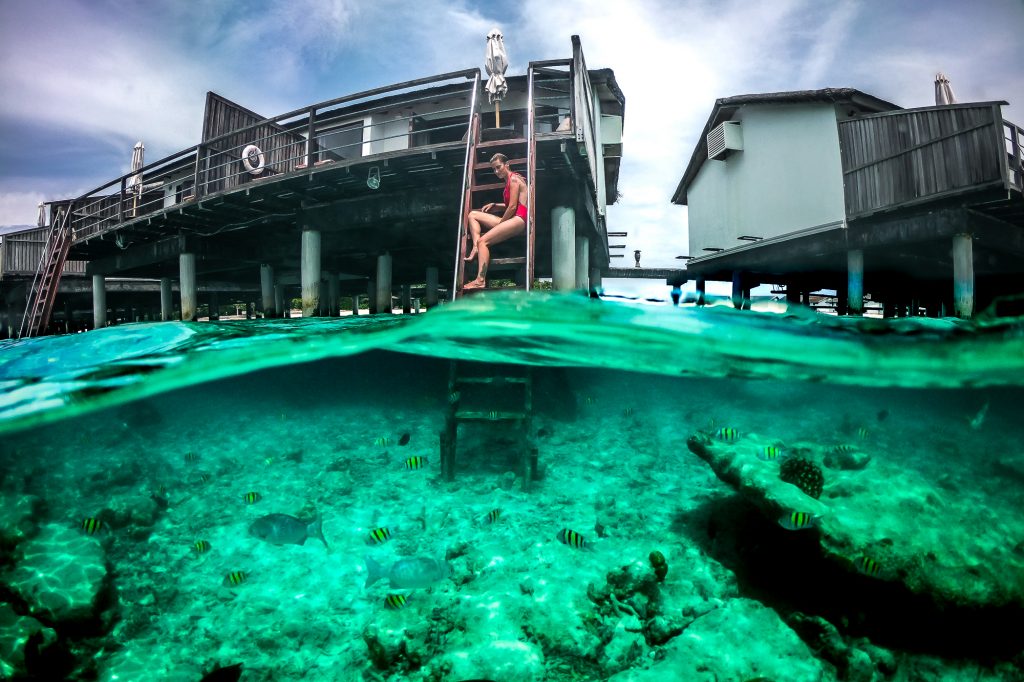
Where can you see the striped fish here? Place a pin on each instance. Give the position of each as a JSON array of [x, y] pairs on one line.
[[867, 566], [417, 462], [202, 546], [862, 432], [570, 537], [252, 497], [771, 453], [395, 601], [378, 536], [844, 449], [797, 520], [382, 441], [727, 434], [235, 578], [191, 457], [91, 525], [492, 517]]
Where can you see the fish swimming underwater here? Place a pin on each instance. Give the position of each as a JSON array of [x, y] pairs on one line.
[[283, 529], [979, 419], [409, 573]]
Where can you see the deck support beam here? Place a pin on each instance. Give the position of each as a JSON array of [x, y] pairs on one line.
[[166, 300], [702, 290], [383, 292], [406, 299], [99, 302], [737, 289], [355, 304], [596, 286], [855, 281], [963, 275], [563, 248], [278, 300], [430, 301], [310, 272], [582, 262], [189, 289], [267, 290]]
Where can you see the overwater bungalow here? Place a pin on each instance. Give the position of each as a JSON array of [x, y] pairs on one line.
[[365, 194], [917, 210]]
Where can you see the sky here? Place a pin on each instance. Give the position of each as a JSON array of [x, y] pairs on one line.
[[83, 80]]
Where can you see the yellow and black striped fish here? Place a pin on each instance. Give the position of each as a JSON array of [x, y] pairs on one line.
[[862, 432], [843, 449], [867, 566], [727, 434], [378, 536], [492, 516], [252, 497], [493, 415], [771, 452], [235, 578], [417, 462], [590, 400], [204, 478], [191, 457], [382, 441], [395, 601], [797, 520], [91, 525], [570, 537], [202, 546], [627, 412]]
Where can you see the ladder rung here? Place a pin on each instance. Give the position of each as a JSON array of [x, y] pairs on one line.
[[500, 143], [487, 164], [489, 415], [482, 188], [518, 260]]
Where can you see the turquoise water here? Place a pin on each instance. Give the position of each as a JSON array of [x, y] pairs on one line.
[[158, 431]]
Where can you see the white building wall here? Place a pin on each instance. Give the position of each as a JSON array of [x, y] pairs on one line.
[[787, 178], [387, 134]]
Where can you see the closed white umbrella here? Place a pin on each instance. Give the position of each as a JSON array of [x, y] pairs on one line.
[[41, 216], [496, 63], [943, 90], [135, 182]]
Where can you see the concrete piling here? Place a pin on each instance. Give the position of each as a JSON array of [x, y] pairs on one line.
[[166, 300], [384, 283], [963, 275], [267, 290], [563, 248], [310, 272], [855, 281], [99, 302], [189, 290]]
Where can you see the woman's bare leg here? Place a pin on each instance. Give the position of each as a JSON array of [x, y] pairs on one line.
[[474, 222], [499, 233]]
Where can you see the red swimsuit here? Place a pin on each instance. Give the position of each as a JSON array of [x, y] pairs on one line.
[[521, 209]]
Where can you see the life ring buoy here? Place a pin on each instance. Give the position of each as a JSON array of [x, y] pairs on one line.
[[253, 159]]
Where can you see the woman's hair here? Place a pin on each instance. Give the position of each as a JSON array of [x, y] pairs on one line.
[[499, 157]]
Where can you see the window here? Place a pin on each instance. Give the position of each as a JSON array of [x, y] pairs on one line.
[[342, 142]]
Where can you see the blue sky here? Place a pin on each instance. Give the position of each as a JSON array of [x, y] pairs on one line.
[[83, 80]]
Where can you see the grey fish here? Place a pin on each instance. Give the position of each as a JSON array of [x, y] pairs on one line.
[[407, 574], [283, 529]]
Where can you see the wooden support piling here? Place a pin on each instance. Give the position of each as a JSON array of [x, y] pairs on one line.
[[432, 278], [267, 297], [963, 275], [383, 291]]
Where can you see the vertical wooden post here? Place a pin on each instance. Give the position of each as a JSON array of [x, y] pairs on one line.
[[702, 288], [279, 306], [737, 289], [855, 281], [430, 300], [384, 283], [963, 275], [355, 304], [166, 301], [406, 299], [267, 289], [310, 271], [333, 294], [99, 302], [563, 248], [189, 290]]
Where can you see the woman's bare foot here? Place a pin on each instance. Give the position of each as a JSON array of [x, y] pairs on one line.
[[472, 254], [476, 284]]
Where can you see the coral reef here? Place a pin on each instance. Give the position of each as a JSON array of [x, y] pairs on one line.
[[16, 633], [804, 474]]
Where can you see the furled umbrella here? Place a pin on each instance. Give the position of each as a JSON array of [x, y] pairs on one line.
[[41, 215], [496, 63], [943, 90], [135, 181]]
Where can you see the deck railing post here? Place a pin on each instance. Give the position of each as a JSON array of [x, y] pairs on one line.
[[120, 202], [310, 137], [198, 190]]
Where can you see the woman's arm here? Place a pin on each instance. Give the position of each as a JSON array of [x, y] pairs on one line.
[[513, 198]]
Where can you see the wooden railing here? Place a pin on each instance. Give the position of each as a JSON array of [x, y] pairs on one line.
[[904, 157]]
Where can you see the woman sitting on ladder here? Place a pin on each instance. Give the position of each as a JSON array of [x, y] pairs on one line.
[[501, 221]]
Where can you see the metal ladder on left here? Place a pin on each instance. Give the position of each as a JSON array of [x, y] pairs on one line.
[[43, 293]]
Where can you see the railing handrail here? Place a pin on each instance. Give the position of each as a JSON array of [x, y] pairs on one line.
[[583, 101]]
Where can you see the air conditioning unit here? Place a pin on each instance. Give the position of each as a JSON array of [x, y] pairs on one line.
[[725, 139]]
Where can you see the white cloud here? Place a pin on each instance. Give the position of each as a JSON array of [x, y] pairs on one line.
[[19, 208]]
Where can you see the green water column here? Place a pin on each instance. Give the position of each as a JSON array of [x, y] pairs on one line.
[[563, 248], [99, 302], [855, 281], [166, 300], [310, 271], [963, 275], [582, 262], [189, 290], [384, 283], [267, 290]]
